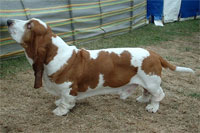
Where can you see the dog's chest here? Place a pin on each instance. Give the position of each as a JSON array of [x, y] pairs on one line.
[[53, 88]]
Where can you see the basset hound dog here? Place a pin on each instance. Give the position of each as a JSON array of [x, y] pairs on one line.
[[72, 74]]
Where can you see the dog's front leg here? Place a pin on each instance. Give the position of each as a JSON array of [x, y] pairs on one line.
[[125, 93], [64, 104]]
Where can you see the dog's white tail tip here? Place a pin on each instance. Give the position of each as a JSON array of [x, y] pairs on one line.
[[184, 69]]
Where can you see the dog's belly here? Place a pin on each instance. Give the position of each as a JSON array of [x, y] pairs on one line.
[[57, 89], [139, 79], [100, 91]]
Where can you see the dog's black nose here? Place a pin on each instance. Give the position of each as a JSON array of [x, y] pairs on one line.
[[9, 22]]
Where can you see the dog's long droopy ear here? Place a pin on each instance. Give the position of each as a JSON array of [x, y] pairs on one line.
[[39, 50]]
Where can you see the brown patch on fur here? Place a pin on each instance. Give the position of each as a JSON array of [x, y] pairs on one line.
[[153, 64], [84, 72], [119, 71], [52, 52], [38, 46], [165, 64]]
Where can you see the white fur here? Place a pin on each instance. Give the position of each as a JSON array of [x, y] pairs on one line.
[[143, 98], [152, 107], [150, 82], [66, 102], [63, 54], [94, 53], [41, 22], [183, 69], [126, 92], [137, 54], [17, 30], [53, 88], [99, 90]]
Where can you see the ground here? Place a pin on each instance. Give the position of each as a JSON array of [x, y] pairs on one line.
[[25, 109]]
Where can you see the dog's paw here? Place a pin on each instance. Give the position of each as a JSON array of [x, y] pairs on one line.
[[143, 99], [124, 95], [60, 111], [152, 107], [57, 102]]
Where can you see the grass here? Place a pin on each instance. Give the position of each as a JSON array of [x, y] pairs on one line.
[[195, 95], [147, 35], [187, 49], [12, 66], [170, 58]]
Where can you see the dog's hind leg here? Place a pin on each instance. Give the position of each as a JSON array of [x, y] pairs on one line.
[[126, 92], [157, 96], [145, 97]]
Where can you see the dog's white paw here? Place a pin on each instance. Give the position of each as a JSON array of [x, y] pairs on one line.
[[57, 102], [152, 107], [59, 111], [124, 95], [143, 99]]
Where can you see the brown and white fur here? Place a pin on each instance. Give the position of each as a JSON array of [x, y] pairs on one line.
[[73, 74]]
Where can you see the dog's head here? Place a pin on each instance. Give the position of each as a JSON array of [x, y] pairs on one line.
[[34, 36]]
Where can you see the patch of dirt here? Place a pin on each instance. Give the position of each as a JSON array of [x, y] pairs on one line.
[[24, 109]]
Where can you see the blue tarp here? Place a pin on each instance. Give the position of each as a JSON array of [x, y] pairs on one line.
[[189, 8], [155, 9]]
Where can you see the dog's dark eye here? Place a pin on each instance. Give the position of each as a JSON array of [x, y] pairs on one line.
[[29, 25]]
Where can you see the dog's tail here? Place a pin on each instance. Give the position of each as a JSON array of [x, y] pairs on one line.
[[165, 64]]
